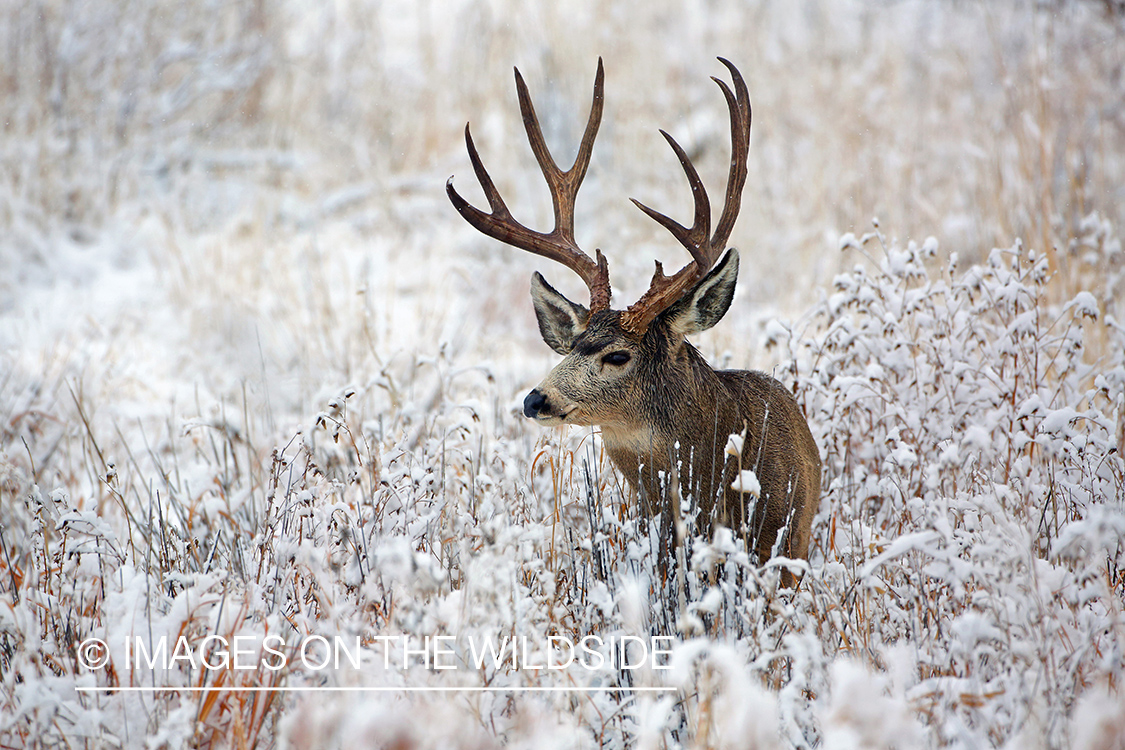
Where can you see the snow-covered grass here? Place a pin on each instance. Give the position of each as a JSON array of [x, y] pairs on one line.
[[259, 381]]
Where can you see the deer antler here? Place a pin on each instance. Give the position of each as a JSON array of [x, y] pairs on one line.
[[664, 291], [558, 244]]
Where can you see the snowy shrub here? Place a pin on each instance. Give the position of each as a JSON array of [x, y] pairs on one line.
[[973, 430], [966, 579]]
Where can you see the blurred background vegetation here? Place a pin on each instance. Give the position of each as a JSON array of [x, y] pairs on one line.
[[974, 122]]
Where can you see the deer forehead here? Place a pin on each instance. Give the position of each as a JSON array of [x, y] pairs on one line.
[[602, 334], [605, 332]]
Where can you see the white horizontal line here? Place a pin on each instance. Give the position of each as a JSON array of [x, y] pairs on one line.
[[366, 689]]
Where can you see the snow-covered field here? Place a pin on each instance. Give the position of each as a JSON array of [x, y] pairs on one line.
[[260, 385]]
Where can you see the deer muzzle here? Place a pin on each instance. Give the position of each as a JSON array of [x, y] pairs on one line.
[[546, 410]]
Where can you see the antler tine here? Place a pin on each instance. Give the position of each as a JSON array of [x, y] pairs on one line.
[[694, 239], [558, 244], [740, 117], [664, 291], [564, 185]]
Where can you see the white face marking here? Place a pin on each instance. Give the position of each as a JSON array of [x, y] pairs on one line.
[[549, 420], [638, 439]]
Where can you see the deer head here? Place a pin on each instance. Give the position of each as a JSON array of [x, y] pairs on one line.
[[613, 359]]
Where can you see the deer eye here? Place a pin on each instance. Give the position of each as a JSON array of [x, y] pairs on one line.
[[616, 358]]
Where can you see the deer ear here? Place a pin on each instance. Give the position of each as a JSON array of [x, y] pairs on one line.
[[560, 320], [708, 301]]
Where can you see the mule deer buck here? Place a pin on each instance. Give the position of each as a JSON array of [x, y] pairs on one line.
[[665, 415]]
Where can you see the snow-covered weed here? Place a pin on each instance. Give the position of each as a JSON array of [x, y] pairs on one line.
[[976, 490], [966, 578]]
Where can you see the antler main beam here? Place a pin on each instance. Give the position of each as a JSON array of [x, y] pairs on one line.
[[559, 244], [664, 291]]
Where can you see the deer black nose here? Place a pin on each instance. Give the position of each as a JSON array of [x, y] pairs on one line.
[[533, 404]]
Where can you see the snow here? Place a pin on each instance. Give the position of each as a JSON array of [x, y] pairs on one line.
[[747, 482], [257, 378], [1059, 420]]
